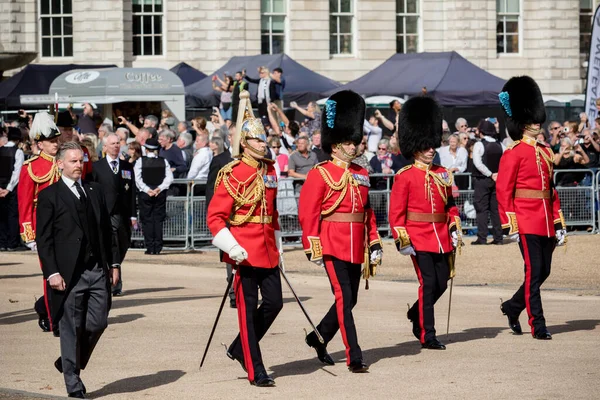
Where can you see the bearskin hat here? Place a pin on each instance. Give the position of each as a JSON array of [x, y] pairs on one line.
[[419, 126], [342, 120], [523, 104], [64, 120]]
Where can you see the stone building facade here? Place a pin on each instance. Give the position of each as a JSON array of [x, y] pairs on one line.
[[540, 38]]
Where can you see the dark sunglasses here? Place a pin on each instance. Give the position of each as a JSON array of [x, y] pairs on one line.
[[383, 148], [275, 147]]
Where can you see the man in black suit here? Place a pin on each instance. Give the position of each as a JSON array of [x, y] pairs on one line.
[[221, 157], [74, 246], [118, 184]]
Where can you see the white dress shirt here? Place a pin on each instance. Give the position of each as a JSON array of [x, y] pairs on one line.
[[109, 160], [449, 161], [19, 159], [200, 164], [478, 151], [142, 187], [374, 134]]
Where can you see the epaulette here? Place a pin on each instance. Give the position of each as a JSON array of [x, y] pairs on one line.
[[30, 160], [321, 163], [406, 168], [513, 144], [227, 169]]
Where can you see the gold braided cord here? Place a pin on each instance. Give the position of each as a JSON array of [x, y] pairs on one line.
[[52, 173], [347, 180]]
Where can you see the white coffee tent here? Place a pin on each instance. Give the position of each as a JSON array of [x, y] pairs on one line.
[[116, 85]]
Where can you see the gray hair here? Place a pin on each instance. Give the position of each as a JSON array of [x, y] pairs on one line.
[[186, 137], [168, 133], [459, 122], [124, 130], [455, 136], [106, 127], [386, 142], [62, 150], [105, 138], [219, 143], [152, 118]]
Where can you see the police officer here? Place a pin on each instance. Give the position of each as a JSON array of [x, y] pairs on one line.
[[11, 161], [153, 176], [486, 159]]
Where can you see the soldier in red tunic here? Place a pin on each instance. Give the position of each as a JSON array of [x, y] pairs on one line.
[[338, 224], [244, 222], [527, 200], [423, 216], [38, 173]]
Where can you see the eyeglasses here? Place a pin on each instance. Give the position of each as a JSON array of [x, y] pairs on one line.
[[275, 147], [364, 143], [383, 148], [464, 126], [555, 127]]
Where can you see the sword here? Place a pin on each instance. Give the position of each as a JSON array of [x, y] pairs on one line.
[[285, 278], [451, 265], [229, 283]]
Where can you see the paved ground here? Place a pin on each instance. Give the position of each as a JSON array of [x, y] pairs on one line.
[[158, 331]]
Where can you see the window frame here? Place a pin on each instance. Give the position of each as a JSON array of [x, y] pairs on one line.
[[270, 14], [405, 35], [62, 36], [591, 16], [503, 16], [163, 34], [338, 35]]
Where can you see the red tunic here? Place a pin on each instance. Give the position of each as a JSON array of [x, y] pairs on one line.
[[252, 215], [528, 165], [337, 188], [423, 189], [37, 173]]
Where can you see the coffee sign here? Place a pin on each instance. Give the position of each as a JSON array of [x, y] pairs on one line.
[[143, 77], [80, 77]]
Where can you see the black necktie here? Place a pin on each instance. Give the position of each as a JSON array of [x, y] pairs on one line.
[[80, 192], [115, 167]]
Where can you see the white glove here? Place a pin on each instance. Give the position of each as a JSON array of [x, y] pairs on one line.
[[32, 246], [454, 236], [279, 241], [514, 238], [376, 256], [225, 241], [238, 253], [561, 237], [408, 251], [319, 262]]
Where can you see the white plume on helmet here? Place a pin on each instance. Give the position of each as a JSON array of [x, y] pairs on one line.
[[43, 127]]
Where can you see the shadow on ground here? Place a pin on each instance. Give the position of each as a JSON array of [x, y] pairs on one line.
[[125, 318], [19, 276], [573, 326], [138, 383]]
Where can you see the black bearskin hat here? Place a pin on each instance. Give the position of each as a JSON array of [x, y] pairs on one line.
[[523, 104], [419, 126], [342, 119], [64, 120]]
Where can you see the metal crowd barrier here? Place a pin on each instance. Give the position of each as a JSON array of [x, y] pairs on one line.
[[185, 226]]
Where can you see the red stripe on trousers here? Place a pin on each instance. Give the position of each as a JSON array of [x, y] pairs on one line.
[[241, 307], [339, 303], [421, 317], [527, 260]]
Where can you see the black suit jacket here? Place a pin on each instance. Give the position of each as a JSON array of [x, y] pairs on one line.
[[216, 164], [60, 232], [272, 89], [118, 189]]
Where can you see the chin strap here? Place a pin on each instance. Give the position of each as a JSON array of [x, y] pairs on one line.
[[344, 153], [256, 151]]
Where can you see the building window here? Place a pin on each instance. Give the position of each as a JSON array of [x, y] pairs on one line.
[[407, 26], [147, 27], [507, 29], [340, 26], [586, 20], [272, 26], [56, 26]]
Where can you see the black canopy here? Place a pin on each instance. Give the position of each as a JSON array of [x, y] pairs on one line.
[[448, 77], [35, 79], [302, 84], [187, 73]]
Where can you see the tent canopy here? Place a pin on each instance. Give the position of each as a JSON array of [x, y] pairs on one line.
[[448, 77], [301, 84], [34, 79], [187, 73]]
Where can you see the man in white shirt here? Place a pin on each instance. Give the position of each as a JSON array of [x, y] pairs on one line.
[[202, 158], [11, 161], [453, 157], [374, 132]]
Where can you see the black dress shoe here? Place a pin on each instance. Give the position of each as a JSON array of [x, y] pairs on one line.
[[477, 242], [542, 335], [357, 367], [434, 344], [497, 242], [148, 252], [262, 380], [117, 293], [321, 349], [241, 361], [58, 365], [2, 248], [416, 329], [232, 303], [44, 324], [78, 394], [513, 322]]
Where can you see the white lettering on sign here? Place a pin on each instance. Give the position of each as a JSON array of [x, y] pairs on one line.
[[143, 77], [77, 78]]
